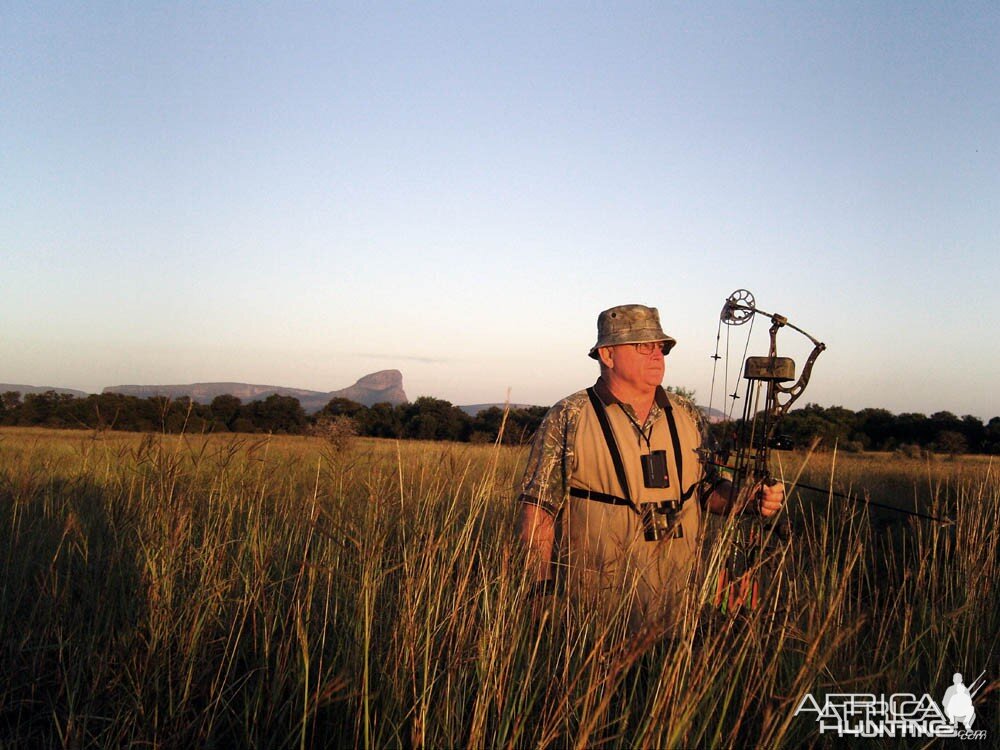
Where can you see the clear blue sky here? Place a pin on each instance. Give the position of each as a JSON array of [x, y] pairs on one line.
[[299, 194]]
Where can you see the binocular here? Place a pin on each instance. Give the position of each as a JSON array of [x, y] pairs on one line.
[[662, 520]]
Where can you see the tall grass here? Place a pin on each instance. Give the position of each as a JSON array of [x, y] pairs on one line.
[[172, 591]]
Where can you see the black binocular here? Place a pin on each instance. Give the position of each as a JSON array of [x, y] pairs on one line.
[[662, 520]]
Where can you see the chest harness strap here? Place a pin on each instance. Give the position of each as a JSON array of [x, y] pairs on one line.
[[664, 402], [616, 457]]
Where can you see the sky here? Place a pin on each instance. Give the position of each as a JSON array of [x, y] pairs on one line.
[[299, 194]]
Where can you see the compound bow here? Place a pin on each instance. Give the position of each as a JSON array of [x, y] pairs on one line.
[[758, 434], [752, 444]]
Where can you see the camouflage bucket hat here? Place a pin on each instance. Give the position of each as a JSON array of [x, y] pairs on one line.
[[629, 324]]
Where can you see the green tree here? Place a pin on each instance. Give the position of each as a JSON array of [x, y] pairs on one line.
[[913, 428], [430, 418], [184, 415], [281, 414], [949, 441], [991, 442], [486, 424], [833, 426], [975, 433], [381, 420], [11, 400], [877, 426], [341, 407], [944, 421], [49, 409], [522, 424], [106, 411], [10, 407], [225, 409]]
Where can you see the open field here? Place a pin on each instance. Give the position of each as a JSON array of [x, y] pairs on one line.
[[245, 591]]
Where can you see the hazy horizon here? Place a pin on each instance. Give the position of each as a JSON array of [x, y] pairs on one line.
[[716, 405]]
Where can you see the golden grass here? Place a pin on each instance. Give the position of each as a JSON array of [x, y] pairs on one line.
[[189, 591]]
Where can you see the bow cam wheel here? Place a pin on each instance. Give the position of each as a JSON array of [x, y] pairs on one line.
[[739, 308]]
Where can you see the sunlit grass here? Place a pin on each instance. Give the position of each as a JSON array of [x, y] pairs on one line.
[[188, 591]]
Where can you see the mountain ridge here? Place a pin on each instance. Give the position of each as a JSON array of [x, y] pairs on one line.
[[23, 389], [376, 387]]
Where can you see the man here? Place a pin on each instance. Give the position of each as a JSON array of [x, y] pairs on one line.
[[614, 490]]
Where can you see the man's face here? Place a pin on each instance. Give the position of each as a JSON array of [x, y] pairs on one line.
[[638, 370]]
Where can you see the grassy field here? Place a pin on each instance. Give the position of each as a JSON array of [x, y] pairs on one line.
[[245, 591]]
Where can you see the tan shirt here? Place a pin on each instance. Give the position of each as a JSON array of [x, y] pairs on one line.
[[602, 554]]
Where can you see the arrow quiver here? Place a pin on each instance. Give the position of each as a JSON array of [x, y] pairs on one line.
[[747, 456]]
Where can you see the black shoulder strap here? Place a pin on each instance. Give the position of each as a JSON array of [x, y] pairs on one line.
[[664, 401], [609, 438]]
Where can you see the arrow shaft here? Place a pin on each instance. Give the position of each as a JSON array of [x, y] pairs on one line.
[[874, 504], [853, 498]]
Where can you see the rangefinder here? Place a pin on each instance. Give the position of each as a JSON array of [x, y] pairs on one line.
[[654, 469]]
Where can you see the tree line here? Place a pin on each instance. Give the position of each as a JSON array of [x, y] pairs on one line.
[[881, 430], [429, 418], [426, 418]]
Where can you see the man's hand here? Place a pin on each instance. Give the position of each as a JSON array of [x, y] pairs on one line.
[[770, 498], [765, 499]]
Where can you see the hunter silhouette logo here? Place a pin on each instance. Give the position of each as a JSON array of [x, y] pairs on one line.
[[898, 714], [957, 701]]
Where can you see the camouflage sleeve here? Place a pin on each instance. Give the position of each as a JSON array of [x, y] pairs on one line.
[[546, 476]]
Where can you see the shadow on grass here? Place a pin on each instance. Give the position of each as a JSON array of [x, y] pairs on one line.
[[70, 601]]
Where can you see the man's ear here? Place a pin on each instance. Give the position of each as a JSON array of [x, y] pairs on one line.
[[607, 356]]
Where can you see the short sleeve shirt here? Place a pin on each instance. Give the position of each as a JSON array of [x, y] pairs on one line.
[[602, 553]]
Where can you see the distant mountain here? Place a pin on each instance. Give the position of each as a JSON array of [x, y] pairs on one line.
[[22, 389], [386, 385], [713, 415], [381, 386]]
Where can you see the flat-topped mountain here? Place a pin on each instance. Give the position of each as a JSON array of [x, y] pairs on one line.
[[385, 385], [378, 387], [23, 389]]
